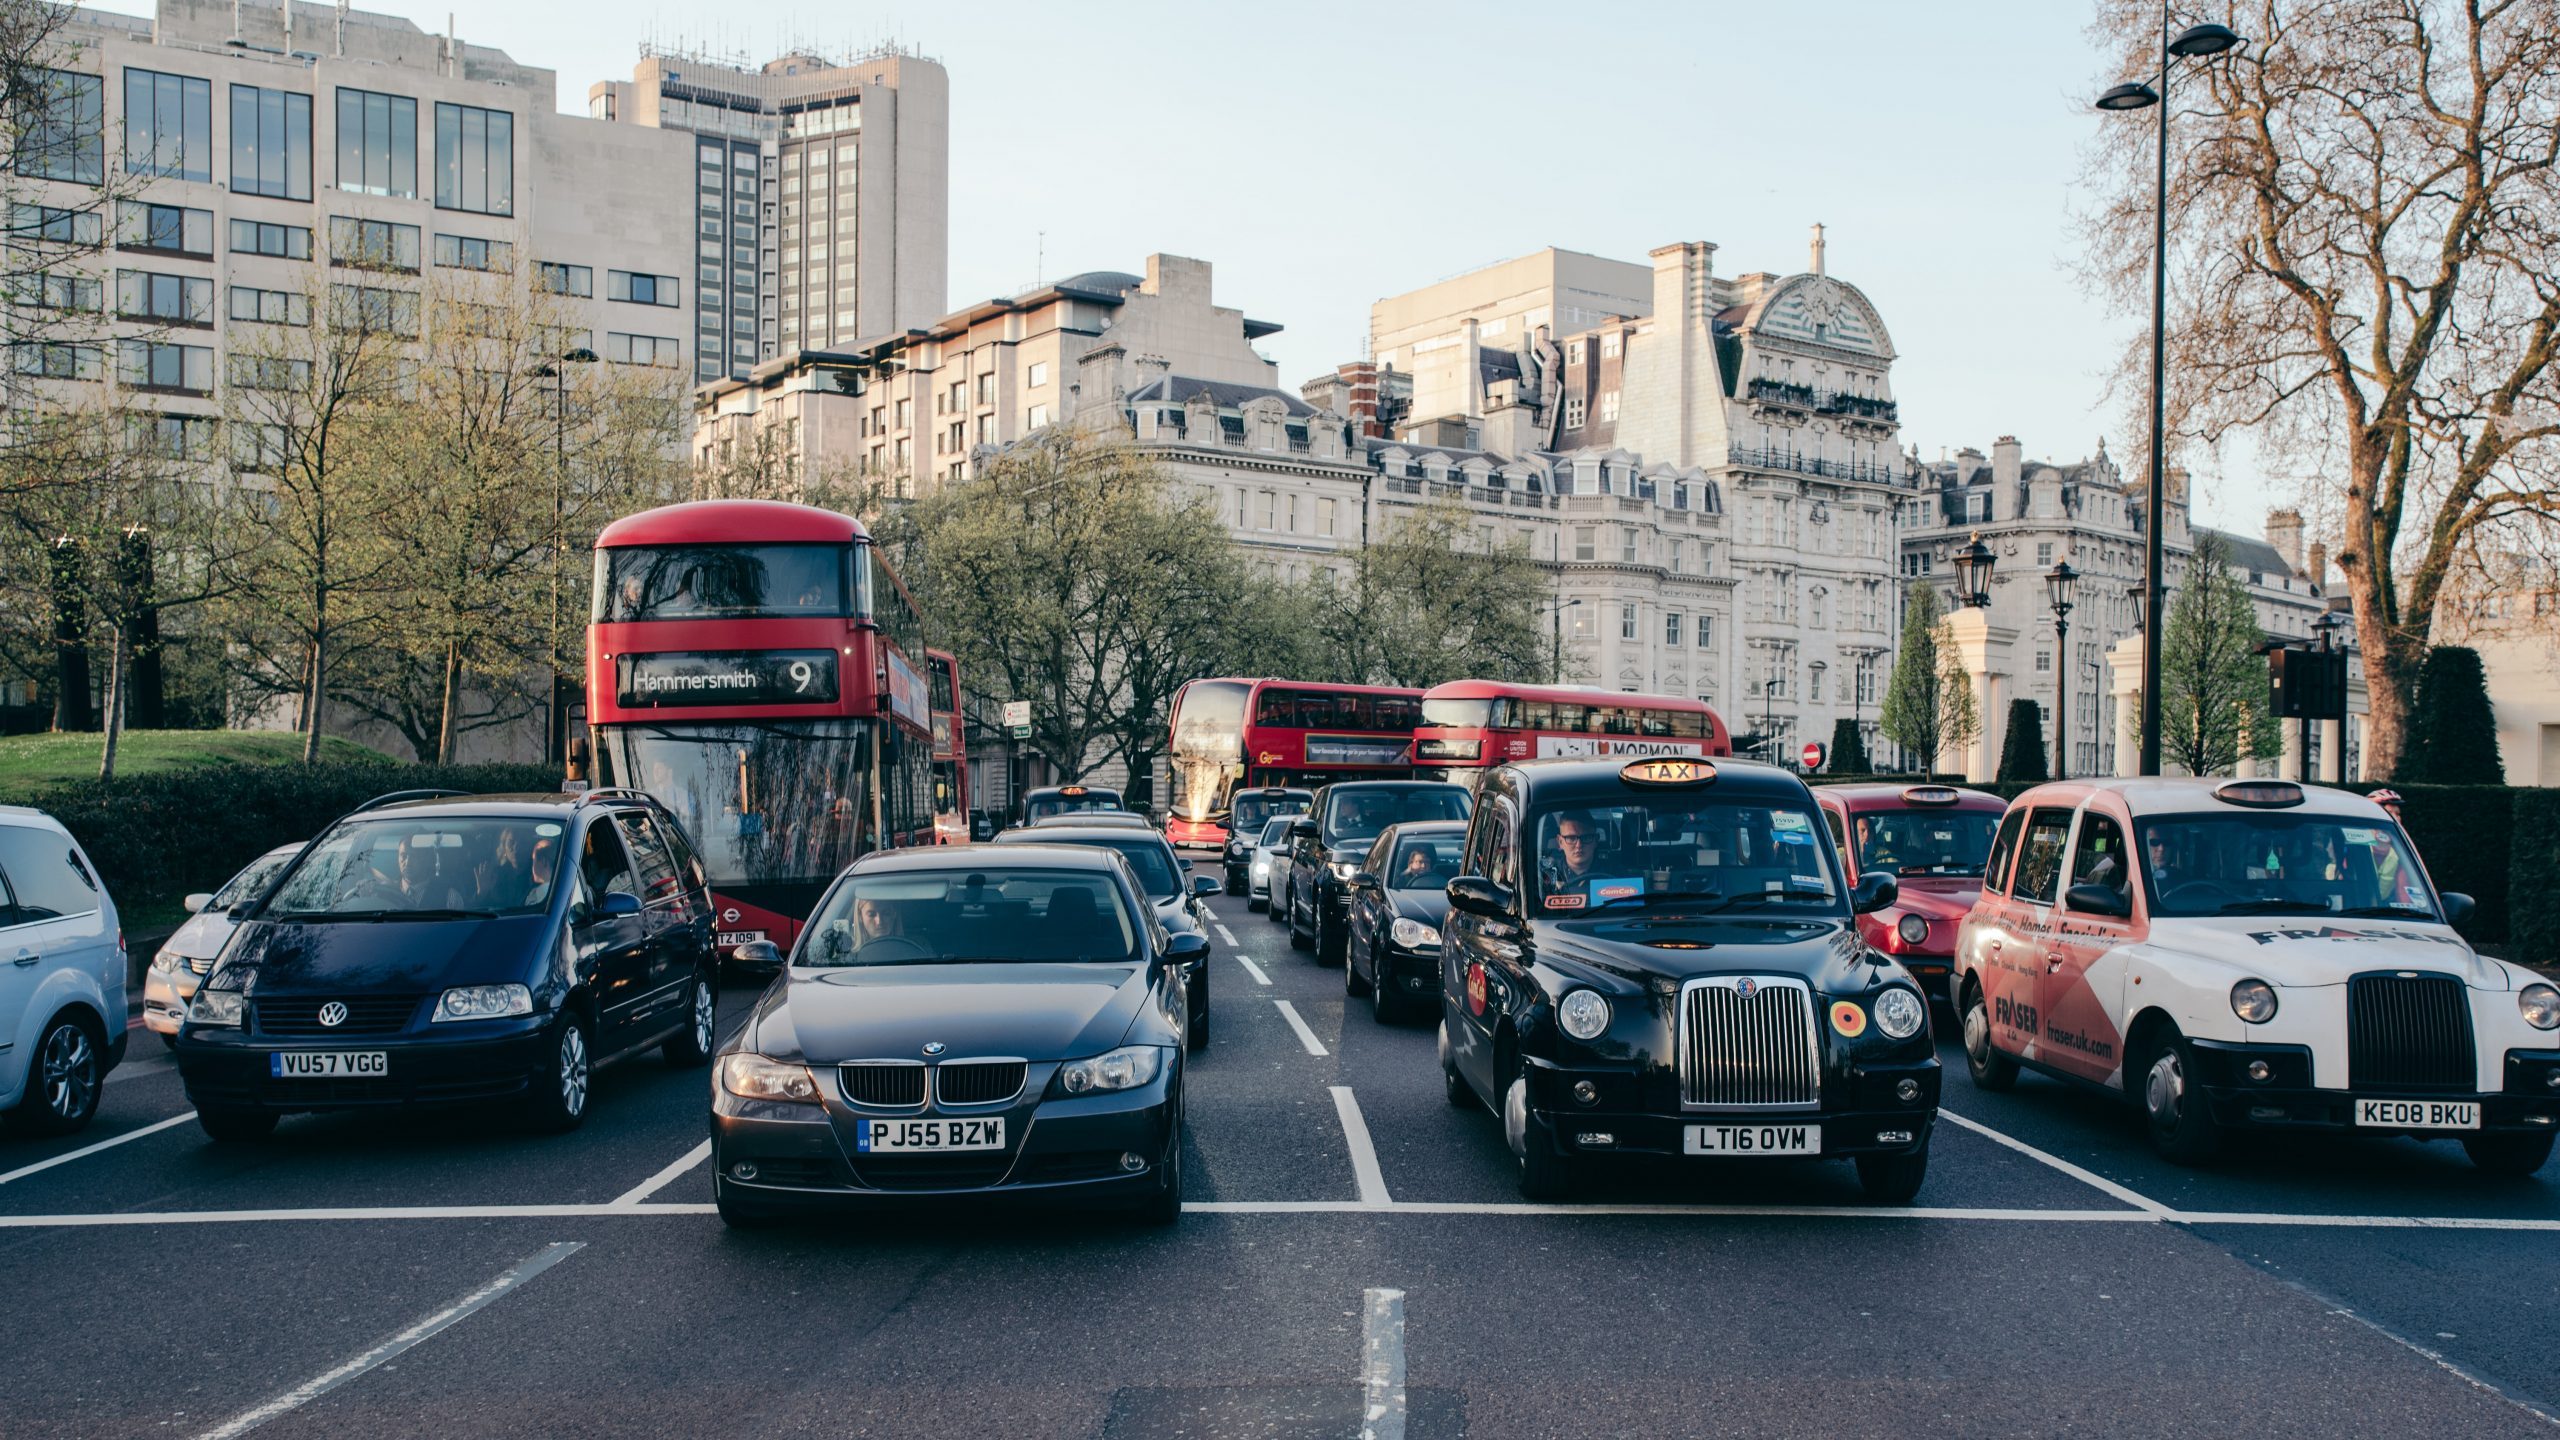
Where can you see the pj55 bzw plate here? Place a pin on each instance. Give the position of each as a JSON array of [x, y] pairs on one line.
[[884, 1136]]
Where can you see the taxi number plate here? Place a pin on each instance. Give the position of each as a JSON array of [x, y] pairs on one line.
[[328, 1064], [881, 1136], [1753, 1140], [2419, 1114], [737, 937]]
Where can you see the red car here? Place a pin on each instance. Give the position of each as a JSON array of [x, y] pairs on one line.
[[1932, 839]]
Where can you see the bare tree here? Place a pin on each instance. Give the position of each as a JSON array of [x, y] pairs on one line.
[[2366, 258]]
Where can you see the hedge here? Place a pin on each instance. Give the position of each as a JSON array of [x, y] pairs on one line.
[[2533, 902], [166, 835]]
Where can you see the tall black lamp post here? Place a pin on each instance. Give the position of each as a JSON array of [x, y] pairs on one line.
[[556, 723], [2058, 585], [1555, 661], [2196, 42]]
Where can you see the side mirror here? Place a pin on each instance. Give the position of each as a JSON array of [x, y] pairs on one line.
[[757, 952], [617, 905], [1478, 896], [1874, 891], [1188, 948], [2099, 900], [1202, 887], [2457, 907], [1363, 880], [196, 902], [1302, 829]]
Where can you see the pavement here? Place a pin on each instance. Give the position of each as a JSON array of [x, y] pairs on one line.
[[1354, 1254]]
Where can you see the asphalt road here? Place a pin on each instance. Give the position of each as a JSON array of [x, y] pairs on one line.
[[397, 1277]]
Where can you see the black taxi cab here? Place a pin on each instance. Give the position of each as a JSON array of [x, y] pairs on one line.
[[1661, 957]]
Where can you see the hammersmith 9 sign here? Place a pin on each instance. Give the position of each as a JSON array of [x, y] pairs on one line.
[[757, 677]]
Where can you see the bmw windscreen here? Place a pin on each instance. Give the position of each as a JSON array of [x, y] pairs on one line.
[[1923, 842], [2280, 864], [990, 915], [423, 867], [1662, 848]]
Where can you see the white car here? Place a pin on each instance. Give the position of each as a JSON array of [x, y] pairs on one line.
[[62, 972], [186, 957], [1269, 850], [2250, 954]]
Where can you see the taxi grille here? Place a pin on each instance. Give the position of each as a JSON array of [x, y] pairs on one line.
[[299, 1015], [890, 1084], [978, 1082], [1749, 1050], [2409, 1033]]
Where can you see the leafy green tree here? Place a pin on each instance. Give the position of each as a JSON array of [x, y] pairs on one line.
[[1427, 602], [2022, 748], [1849, 749], [1928, 700], [2214, 686], [2454, 738]]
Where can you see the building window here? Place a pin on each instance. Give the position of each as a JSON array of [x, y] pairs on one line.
[[176, 299], [1706, 631], [266, 372], [1573, 412], [63, 135], [61, 292], [270, 143], [1573, 352], [2044, 552], [469, 252], [363, 307], [642, 349], [1609, 348], [377, 144], [55, 225], [1269, 503], [286, 242], [57, 362], [987, 389], [641, 289], [270, 307], [156, 365], [169, 229], [475, 160], [1324, 515], [1627, 544], [1036, 417], [1039, 375], [1627, 621], [1608, 405], [373, 244], [1586, 542], [168, 125], [1671, 627], [556, 279], [171, 437], [1678, 552]]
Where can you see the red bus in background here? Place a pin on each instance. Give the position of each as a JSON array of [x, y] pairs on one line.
[[1470, 725], [1234, 733], [950, 750], [747, 664]]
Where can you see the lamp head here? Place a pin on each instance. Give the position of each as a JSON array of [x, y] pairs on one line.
[[2131, 95], [2202, 40]]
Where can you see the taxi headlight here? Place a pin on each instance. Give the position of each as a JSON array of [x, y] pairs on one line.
[[2541, 1006], [2254, 1001], [753, 1077], [1413, 934], [482, 1002], [1583, 1014], [1899, 1013], [1912, 929], [1126, 1068], [217, 1008]]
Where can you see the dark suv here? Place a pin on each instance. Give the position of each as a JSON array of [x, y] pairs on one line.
[[457, 949], [1326, 846]]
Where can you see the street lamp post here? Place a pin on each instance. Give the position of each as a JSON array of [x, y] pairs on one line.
[[2058, 585], [2324, 634], [2196, 42], [1556, 659], [556, 721], [1973, 573]]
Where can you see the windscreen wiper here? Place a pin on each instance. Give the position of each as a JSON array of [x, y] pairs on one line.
[[2272, 906], [2388, 912]]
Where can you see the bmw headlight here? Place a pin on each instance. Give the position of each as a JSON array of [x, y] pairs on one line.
[[217, 1008], [1899, 1013], [1413, 934], [2541, 1006], [1912, 929], [1127, 1068], [1583, 1014], [482, 1002], [753, 1077], [2254, 1001]]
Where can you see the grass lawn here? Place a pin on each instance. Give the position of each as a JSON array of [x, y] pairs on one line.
[[28, 761]]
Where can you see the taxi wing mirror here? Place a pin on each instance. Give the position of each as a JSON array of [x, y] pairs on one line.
[[757, 952], [1202, 885], [1363, 880], [1874, 891], [1479, 896], [2099, 900], [2457, 907]]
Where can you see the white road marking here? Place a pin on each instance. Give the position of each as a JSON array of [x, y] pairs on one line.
[[1258, 977], [1306, 1036], [1382, 1364], [1226, 936], [68, 1156], [353, 1212], [2089, 1178], [1208, 913], [397, 1345], [1364, 1155], [659, 1181]]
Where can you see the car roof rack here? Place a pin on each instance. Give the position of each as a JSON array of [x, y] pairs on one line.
[[397, 797], [615, 792]]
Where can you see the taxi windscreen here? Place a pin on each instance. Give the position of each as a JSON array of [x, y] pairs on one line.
[[2279, 864], [1041, 807], [1252, 809], [990, 915], [1923, 842], [1677, 848]]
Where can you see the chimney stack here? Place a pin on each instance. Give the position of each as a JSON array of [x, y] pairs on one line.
[[2008, 459], [1817, 247], [2284, 532], [2319, 568]]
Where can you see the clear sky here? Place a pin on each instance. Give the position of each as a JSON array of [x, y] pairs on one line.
[[1323, 154]]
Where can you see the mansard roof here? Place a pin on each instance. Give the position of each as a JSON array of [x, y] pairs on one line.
[[1790, 309], [1225, 394]]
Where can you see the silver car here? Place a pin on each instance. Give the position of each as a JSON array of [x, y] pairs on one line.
[[187, 956], [1270, 850]]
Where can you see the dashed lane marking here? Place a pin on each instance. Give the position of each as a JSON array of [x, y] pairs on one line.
[[1382, 1363], [1364, 1154], [1255, 970], [1306, 1036], [663, 1178], [2090, 1178], [1226, 936], [110, 1143]]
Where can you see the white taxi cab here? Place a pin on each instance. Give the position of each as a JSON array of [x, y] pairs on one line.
[[2250, 954]]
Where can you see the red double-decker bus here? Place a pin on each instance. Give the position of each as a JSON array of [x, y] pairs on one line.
[[1233, 733], [950, 750], [747, 664], [1468, 726]]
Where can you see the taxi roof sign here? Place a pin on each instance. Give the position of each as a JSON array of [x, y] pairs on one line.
[[1662, 771], [2262, 794], [1930, 795], [1070, 789]]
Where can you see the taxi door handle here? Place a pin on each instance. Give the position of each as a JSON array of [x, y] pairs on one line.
[[24, 957], [2052, 961]]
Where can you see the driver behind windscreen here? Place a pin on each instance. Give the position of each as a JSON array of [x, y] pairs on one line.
[[1574, 857]]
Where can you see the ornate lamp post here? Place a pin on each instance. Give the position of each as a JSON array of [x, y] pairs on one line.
[[1973, 573], [2058, 585]]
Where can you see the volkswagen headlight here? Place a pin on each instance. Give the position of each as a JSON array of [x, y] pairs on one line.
[[217, 1008], [1912, 929], [1583, 1014], [1899, 1013], [753, 1077], [482, 1002], [2254, 1001], [2541, 1006], [1127, 1068], [1413, 934], [1344, 869]]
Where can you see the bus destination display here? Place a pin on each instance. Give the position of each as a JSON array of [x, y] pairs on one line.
[[755, 677]]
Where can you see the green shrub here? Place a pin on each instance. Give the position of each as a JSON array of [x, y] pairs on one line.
[[2453, 734], [2464, 835], [1848, 748], [2022, 748], [2533, 901]]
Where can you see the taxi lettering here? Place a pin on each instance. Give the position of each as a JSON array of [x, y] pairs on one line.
[[2016, 1016]]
